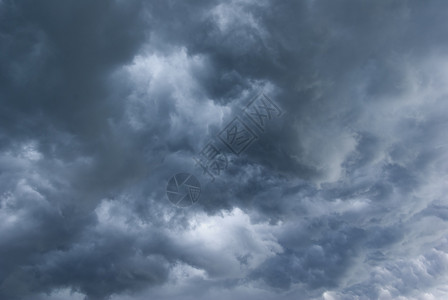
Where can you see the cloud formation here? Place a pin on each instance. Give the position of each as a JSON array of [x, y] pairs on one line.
[[343, 197]]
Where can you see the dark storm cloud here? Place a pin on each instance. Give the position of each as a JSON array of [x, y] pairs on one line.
[[342, 197], [57, 59]]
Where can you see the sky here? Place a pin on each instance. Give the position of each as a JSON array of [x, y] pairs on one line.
[[306, 141]]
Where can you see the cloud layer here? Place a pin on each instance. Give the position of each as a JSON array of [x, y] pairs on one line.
[[343, 197]]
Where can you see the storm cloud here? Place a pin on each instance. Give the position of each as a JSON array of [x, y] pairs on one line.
[[343, 196]]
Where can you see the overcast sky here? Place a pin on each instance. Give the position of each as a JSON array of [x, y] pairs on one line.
[[342, 195]]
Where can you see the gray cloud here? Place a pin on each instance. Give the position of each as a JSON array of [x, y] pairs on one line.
[[343, 197]]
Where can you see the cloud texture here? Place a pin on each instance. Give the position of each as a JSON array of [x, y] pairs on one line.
[[343, 197]]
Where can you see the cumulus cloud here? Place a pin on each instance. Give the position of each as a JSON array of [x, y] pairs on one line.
[[342, 197]]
